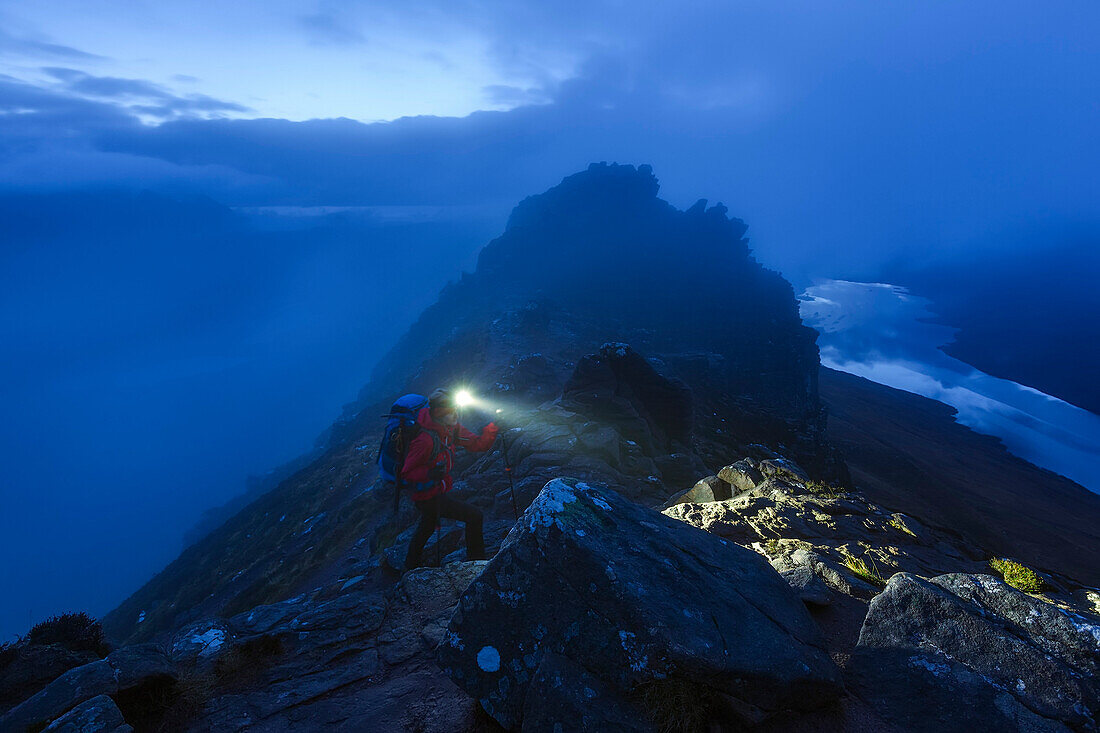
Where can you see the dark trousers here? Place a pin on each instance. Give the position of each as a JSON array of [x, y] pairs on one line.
[[443, 506]]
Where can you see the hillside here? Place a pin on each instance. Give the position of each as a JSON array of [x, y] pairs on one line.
[[907, 451]]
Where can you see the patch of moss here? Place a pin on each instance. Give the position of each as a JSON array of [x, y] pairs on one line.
[[863, 571], [1018, 576]]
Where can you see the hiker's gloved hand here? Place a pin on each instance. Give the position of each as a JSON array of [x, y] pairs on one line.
[[491, 430], [436, 473]]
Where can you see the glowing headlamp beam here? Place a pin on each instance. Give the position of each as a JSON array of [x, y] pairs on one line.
[[463, 398]]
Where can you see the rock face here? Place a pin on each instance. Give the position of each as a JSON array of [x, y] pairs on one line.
[[97, 715], [122, 672], [339, 657], [967, 652], [30, 667], [799, 524], [633, 598], [618, 386]]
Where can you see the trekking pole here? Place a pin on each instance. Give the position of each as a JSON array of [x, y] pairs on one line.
[[508, 471]]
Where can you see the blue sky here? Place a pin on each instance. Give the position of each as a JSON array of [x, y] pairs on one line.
[[173, 320]]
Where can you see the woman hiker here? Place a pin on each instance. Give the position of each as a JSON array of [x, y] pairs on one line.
[[427, 469]]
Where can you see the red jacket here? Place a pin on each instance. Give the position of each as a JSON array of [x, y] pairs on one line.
[[419, 460]]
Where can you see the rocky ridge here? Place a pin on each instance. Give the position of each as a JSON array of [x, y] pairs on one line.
[[728, 576], [757, 597]]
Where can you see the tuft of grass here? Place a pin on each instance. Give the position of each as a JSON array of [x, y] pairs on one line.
[[900, 526], [74, 631], [863, 571], [674, 705], [773, 547], [822, 489], [1018, 576]]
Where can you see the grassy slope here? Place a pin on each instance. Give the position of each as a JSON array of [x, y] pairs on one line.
[[907, 452]]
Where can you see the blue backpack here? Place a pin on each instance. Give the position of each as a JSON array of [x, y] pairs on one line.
[[401, 428]]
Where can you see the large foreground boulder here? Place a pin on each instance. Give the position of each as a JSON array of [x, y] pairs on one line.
[[968, 653], [589, 581]]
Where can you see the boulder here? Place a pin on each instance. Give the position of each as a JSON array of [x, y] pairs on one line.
[[140, 664], [123, 670], [705, 490], [97, 715], [783, 469], [431, 589], [634, 598], [809, 587], [618, 386], [968, 652], [741, 476]]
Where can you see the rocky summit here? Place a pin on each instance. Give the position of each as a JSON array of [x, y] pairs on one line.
[[690, 527]]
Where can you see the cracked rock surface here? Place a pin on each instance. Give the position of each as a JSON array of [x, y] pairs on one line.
[[633, 598]]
